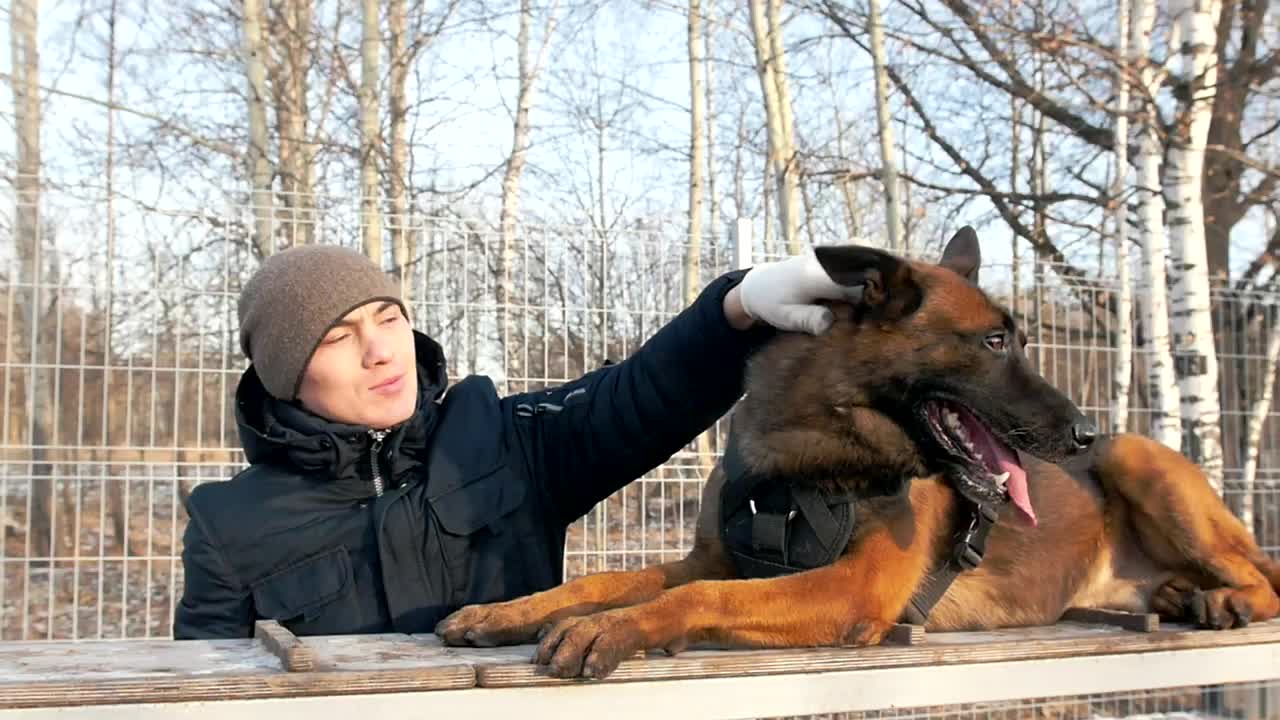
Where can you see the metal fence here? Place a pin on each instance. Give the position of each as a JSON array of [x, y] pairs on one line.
[[120, 363]]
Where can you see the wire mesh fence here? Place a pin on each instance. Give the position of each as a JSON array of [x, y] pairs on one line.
[[120, 361]]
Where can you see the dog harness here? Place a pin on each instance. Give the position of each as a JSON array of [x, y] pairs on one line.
[[772, 525]]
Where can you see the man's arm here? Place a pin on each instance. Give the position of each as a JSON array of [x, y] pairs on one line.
[[590, 437], [214, 604]]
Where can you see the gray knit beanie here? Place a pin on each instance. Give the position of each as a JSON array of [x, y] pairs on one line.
[[296, 297]]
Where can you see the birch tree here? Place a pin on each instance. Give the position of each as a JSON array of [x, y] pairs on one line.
[[30, 319], [1120, 227], [774, 91], [888, 165], [529, 61], [697, 117], [398, 156], [370, 130], [1152, 286], [293, 38], [1192, 320], [260, 169]]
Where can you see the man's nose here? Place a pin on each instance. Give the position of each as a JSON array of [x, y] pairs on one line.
[[377, 349]]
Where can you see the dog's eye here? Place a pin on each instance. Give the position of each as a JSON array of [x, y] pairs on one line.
[[996, 342]]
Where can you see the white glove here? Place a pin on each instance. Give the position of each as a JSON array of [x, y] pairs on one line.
[[782, 294]]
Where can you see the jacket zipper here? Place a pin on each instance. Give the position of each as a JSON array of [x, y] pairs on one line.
[[378, 436]]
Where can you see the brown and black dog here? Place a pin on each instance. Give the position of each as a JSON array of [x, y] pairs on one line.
[[921, 402]]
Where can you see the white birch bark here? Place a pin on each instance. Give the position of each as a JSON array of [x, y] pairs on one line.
[[789, 188], [1258, 412], [370, 135], [888, 165], [698, 116], [1152, 285], [398, 155], [765, 68], [697, 101], [1119, 217], [529, 67], [1192, 320], [260, 170], [708, 65]]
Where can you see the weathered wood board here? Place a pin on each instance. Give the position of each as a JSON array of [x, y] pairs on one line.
[[1061, 640], [61, 674], [129, 671]]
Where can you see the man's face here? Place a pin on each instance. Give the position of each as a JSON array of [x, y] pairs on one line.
[[364, 372]]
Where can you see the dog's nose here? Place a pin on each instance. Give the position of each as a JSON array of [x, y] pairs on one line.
[[1084, 433]]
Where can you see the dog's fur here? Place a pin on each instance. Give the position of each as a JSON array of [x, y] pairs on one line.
[[1124, 524]]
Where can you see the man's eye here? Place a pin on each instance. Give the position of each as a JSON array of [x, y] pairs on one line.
[[331, 339], [394, 317], [996, 342]]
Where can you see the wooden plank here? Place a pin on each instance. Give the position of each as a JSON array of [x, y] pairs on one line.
[[961, 648], [276, 638], [189, 671], [904, 634], [91, 661], [1138, 622]]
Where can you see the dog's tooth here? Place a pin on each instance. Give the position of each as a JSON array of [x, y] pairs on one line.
[[1002, 480]]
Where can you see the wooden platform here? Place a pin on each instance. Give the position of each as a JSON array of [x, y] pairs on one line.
[[275, 665]]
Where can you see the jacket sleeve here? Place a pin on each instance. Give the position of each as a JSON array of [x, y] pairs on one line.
[[587, 439], [214, 605]]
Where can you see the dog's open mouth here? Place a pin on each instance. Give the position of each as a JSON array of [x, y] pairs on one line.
[[989, 468]]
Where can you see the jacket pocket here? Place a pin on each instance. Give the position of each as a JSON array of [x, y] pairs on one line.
[[478, 542], [313, 596]]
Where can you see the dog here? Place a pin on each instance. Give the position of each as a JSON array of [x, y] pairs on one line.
[[962, 492]]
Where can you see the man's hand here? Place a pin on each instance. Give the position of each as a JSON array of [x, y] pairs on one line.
[[783, 293]]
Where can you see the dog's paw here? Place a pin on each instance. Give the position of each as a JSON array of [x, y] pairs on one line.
[[867, 632], [1173, 599], [591, 646], [1221, 609], [488, 626]]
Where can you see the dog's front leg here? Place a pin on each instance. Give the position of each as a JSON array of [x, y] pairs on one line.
[[853, 601]]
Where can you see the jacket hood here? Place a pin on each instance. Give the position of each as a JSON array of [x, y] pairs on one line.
[[273, 431]]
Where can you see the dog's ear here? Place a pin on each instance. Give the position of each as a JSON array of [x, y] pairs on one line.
[[963, 255], [888, 286]]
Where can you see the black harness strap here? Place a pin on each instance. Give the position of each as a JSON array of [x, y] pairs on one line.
[[965, 555], [773, 525]]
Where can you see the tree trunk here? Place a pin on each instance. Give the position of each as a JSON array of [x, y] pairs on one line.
[[776, 155], [1015, 169], [1152, 286], [713, 198], [1258, 412], [111, 495], [529, 67], [888, 165], [693, 255], [1196, 357], [402, 238], [370, 135], [1120, 225], [297, 155], [789, 191], [31, 322], [260, 170]]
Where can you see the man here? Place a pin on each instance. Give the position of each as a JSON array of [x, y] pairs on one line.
[[378, 499]]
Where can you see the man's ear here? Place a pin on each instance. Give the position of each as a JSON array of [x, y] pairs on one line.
[[963, 255], [888, 286]]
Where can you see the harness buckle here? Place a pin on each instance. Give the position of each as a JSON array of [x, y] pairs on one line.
[[966, 556], [752, 504]]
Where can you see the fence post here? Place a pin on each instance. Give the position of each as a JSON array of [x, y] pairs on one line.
[[743, 240]]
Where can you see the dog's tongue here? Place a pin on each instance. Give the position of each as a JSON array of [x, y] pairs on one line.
[[1000, 458]]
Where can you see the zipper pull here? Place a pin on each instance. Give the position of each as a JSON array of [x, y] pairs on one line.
[[378, 436]]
